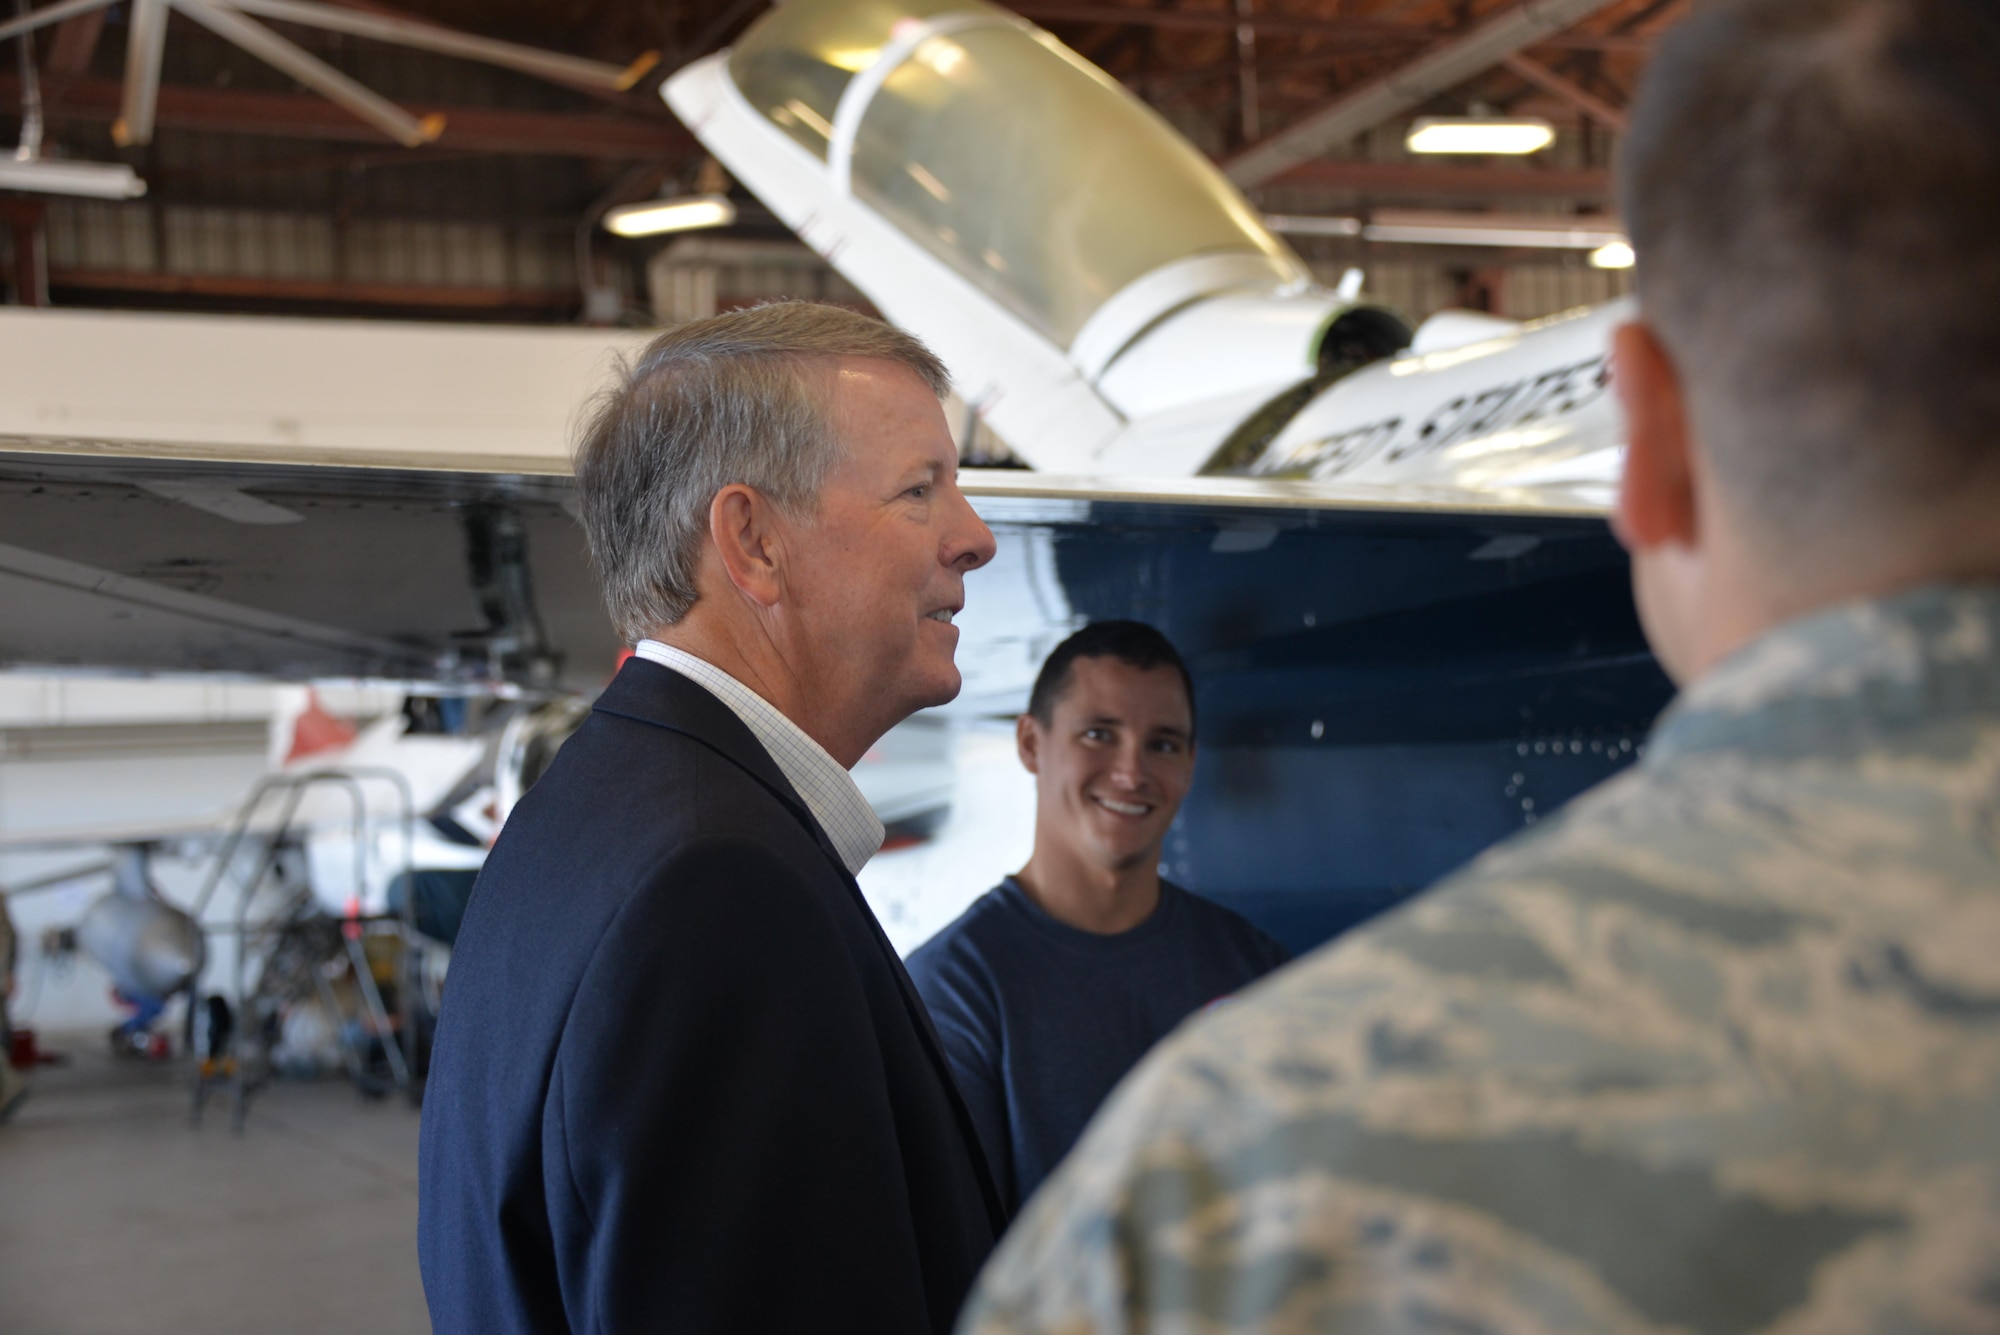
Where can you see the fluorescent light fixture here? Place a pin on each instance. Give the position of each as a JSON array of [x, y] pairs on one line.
[[1493, 229], [1292, 224], [99, 180], [684, 214], [1479, 134], [1616, 255], [1433, 228], [853, 59]]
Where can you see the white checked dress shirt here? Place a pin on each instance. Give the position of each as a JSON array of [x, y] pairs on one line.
[[827, 790]]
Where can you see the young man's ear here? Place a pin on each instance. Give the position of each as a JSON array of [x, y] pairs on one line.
[[745, 540], [1656, 498], [1028, 743]]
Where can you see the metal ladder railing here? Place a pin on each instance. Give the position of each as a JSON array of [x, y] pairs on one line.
[[292, 789]]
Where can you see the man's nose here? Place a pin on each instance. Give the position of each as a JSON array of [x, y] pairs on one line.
[[969, 544], [1128, 768]]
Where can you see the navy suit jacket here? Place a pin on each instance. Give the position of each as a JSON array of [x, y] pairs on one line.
[[681, 1081]]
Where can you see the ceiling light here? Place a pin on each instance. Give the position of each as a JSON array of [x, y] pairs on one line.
[[1538, 231], [684, 214], [1479, 134], [853, 59], [1293, 224], [99, 180], [1617, 255]]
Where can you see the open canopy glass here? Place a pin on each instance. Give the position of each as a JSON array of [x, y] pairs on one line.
[[1018, 163]]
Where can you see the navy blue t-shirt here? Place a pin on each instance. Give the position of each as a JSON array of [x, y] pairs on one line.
[[1041, 1020]]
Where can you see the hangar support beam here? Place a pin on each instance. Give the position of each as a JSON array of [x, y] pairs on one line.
[[1352, 35], [1423, 180], [1359, 31]]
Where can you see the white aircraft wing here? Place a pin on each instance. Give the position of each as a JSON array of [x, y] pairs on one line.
[[426, 770], [204, 827], [295, 498]]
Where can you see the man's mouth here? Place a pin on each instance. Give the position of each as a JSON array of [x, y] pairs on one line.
[[944, 614], [1112, 804]]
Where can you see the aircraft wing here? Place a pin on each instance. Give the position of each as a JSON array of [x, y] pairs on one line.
[[441, 572], [295, 498], [205, 827], [427, 768], [1004, 491]]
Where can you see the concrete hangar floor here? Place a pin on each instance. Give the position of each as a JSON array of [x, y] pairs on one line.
[[118, 1217]]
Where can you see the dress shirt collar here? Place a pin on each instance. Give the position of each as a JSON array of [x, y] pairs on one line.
[[827, 790]]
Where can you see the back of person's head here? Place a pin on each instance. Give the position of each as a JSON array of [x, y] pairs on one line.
[[1133, 643], [1809, 185], [739, 398]]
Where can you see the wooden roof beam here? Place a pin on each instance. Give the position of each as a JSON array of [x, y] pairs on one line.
[[233, 287], [467, 129], [1566, 90]]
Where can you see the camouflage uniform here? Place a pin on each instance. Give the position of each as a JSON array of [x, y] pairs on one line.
[[1717, 1049]]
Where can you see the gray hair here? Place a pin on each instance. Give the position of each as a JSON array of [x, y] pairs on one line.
[[737, 399], [1809, 187]]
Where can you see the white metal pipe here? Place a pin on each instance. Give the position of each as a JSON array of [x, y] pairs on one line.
[[314, 73], [552, 65], [31, 99], [63, 176], [145, 44], [1429, 227], [1248, 119]]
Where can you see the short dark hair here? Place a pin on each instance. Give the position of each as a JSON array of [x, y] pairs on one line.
[[1133, 643], [739, 397], [1809, 187]]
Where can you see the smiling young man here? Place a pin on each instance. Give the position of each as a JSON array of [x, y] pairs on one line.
[[682, 1081], [1056, 982]]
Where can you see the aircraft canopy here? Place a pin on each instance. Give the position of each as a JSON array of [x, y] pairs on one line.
[[1022, 166]]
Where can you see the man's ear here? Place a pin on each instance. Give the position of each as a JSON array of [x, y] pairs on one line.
[[1656, 499], [742, 530], [1028, 743]]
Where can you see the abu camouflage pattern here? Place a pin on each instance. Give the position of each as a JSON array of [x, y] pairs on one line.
[[1717, 1049]]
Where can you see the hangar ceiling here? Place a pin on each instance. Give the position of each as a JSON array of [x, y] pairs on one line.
[[265, 196]]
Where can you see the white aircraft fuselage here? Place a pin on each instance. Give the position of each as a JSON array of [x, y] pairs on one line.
[[1105, 299]]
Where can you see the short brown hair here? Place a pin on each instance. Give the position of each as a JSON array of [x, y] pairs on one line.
[[1809, 186], [1133, 643], [739, 398]]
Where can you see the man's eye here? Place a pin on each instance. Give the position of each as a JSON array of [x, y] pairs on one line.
[[1097, 734], [919, 492], [1167, 748]]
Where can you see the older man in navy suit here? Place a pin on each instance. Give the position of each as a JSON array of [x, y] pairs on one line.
[[682, 1081]]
